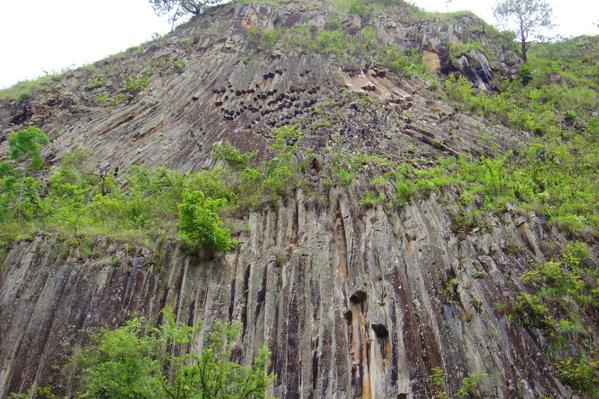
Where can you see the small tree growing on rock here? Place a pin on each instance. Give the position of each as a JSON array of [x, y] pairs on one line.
[[179, 8], [528, 15]]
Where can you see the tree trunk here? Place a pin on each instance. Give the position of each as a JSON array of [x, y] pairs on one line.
[[524, 49]]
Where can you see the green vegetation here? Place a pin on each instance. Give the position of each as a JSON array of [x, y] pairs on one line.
[[581, 374], [372, 198], [468, 388], [556, 174], [138, 360], [345, 47], [460, 49], [22, 91], [79, 201], [199, 222], [564, 293], [99, 82], [134, 85], [26, 144], [232, 155], [18, 188], [526, 16], [178, 65]]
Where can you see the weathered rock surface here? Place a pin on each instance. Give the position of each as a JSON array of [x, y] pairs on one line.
[[230, 90], [351, 301]]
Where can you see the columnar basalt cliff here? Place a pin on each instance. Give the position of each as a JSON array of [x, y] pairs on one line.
[[351, 303], [351, 300]]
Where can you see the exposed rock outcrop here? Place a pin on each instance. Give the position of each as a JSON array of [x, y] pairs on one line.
[[350, 302]]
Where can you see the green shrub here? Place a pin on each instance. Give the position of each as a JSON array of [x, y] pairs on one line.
[[262, 38], [281, 175], [460, 49], [199, 222], [232, 155], [532, 311], [372, 198], [35, 392], [570, 116], [555, 281], [26, 144], [178, 65], [287, 138], [99, 82], [581, 374], [468, 387], [134, 86], [23, 97], [133, 361], [103, 99], [450, 291], [359, 7]]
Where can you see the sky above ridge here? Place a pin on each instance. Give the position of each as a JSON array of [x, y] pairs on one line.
[[41, 36]]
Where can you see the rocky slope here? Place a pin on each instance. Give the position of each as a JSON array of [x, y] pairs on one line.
[[352, 302]]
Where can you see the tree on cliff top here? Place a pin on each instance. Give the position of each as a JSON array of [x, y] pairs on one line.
[[528, 15], [178, 8]]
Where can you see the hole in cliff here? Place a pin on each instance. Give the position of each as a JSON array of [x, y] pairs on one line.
[[358, 297], [402, 396], [348, 317], [380, 331]]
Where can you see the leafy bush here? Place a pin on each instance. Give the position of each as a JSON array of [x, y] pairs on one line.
[[99, 82], [19, 191], [199, 222], [178, 65], [134, 85], [132, 362], [264, 39], [460, 49], [468, 387], [26, 143], [372, 198], [232, 155], [581, 374]]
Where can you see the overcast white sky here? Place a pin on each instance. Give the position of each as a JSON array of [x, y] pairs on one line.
[[49, 35]]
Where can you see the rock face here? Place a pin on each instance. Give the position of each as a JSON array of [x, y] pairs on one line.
[[230, 90], [352, 301]]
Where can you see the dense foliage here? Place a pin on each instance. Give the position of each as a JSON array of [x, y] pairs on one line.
[[138, 360], [199, 221], [140, 204]]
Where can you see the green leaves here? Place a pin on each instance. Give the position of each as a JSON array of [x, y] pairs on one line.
[[19, 191], [199, 222], [232, 155], [139, 204], [141, 361], [26, 144]]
